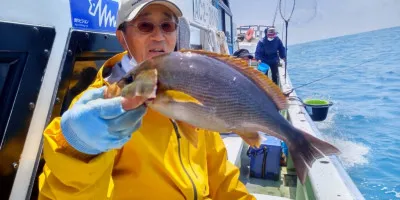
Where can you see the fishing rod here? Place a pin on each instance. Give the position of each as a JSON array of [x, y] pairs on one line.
[[330, 75]]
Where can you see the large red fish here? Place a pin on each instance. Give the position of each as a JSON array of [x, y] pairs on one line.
[[216, 92]]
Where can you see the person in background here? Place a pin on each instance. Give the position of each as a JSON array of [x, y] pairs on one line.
[[102, 148], [269, 50], [244, 54]]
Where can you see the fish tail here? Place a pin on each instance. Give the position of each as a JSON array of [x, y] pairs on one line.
[[305, 149]]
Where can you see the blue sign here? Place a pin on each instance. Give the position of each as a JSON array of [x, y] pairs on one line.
[[96, 15]]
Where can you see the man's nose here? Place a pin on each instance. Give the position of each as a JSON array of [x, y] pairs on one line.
[[157, 34]]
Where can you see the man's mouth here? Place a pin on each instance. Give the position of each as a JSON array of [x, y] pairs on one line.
[[157, 50]]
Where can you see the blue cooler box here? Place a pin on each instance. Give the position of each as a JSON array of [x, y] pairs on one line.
[[265, 161]]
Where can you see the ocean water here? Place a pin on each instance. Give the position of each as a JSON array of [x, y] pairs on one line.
[[364, 121]]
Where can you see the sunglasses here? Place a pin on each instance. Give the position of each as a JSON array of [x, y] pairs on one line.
[[148, 27]]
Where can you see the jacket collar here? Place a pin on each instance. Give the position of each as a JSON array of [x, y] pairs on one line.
[[109, 63]]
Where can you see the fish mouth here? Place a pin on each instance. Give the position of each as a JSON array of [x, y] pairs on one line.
[[149, 101]]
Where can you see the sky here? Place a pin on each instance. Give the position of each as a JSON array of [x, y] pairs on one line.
[[319, 19]]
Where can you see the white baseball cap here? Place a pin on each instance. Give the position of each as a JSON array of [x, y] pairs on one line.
[[128, 9]]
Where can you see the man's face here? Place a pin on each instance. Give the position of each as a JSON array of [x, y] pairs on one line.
[[145, 45], [271, 33]]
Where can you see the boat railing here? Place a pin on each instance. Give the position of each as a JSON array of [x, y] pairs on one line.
[[327, 178]]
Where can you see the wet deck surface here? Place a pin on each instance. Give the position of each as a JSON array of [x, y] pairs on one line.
[[285, 187]]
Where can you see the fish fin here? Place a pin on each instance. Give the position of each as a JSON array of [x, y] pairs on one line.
[[272, 90], [179, 96], [189, 132], [305, 150], [254, 139], [133, 102], [144, 85], [112, 90]]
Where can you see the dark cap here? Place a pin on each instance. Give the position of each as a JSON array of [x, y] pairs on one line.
[[243, 53]]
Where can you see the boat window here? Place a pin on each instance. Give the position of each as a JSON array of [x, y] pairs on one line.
[[23, 58], [87, 52], [4, 68], [195, 38], [11, 68], [228, 28], [220, 20], [84, 73]]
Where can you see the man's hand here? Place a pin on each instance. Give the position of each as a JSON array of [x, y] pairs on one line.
[[94, 124]]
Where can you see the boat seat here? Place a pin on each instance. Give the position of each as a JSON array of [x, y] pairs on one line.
[[234, 145]]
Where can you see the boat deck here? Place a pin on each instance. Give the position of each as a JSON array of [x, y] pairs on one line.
[[262, 189], [285, 187]]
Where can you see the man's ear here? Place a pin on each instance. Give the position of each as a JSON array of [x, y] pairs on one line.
[[120, 35]]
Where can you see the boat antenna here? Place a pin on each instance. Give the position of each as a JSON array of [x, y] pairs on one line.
[[330, 75], [286, 30]]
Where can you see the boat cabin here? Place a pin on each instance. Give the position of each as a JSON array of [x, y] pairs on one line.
[[50, 51]]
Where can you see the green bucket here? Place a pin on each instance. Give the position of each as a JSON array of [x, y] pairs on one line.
[[317, 108]]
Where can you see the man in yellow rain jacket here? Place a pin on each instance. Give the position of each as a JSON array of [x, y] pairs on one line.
[[103, 149]]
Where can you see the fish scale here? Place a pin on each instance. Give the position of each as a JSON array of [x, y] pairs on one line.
[[228, 87]]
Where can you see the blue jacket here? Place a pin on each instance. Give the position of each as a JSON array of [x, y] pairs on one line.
[[267, 51]]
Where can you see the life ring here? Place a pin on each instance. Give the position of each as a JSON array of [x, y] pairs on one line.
[[249, 34]]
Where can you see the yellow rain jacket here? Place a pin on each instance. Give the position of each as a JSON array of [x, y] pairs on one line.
[[157, 163]]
